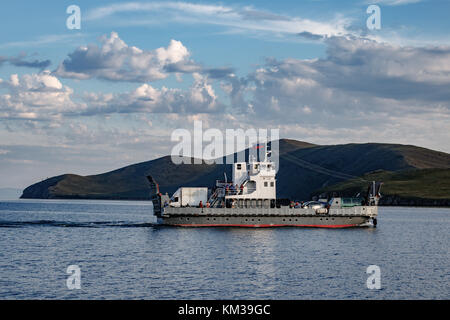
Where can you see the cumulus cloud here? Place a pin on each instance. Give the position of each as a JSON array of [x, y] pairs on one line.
[[39, 96], [362, 90], [116, 61], [386, 70], [358, 75], [42, 96], [200, 98]]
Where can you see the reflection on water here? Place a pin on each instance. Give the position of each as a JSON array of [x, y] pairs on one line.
[[123, 255]]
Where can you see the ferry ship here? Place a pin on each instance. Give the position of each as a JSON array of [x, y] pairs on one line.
[[249, 200]]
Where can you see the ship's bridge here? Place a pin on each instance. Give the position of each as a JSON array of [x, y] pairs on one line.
[[254, 180]]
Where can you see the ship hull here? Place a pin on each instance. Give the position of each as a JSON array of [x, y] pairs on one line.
[[267, 222], [275, 217]]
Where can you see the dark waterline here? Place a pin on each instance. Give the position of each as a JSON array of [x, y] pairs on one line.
[[122, 255]]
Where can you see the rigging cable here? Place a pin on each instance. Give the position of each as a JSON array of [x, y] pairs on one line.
[[322, 170]]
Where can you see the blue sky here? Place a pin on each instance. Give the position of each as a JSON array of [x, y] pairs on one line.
[[110, 94]]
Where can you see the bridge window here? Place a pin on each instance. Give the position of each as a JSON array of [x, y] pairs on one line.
[[238, 166], [271, 184], [265, 184]]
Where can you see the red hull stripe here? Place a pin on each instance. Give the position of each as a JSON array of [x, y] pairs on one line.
[[269, 225]]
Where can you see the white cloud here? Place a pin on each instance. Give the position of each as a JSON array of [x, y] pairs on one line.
[[357, 75], [244, 18], [38, 96], [116, 61], [42, 97], [200, 98], [361, 91]]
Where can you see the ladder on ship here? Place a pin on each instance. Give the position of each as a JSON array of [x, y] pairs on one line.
[[215, 198]]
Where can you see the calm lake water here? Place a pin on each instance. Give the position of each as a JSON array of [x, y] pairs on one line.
[[122, 255]]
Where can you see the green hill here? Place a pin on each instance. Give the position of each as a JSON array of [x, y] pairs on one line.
[[304, 167], [409, 187]]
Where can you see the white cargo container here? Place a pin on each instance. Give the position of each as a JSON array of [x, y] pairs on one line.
[[189, 196]]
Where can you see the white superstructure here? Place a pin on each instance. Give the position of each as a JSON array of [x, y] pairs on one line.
[[253, 183], [254, 180]]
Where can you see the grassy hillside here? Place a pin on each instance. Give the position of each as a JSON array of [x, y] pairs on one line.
[[126, 183], [304, 167], [431, 184], [305, 170]]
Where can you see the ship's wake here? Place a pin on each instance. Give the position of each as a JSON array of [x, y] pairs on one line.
[[74, 224]]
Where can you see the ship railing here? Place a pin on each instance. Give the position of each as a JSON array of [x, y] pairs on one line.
[[234, 192]]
